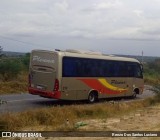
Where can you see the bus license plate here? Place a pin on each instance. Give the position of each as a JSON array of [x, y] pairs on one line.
[[40, 87]]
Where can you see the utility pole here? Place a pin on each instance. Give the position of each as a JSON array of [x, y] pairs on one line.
[[142, 57]]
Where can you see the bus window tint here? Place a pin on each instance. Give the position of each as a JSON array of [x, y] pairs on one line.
[[134, 70], [130, 69], [138, 71], [85, 67], [69, 67]]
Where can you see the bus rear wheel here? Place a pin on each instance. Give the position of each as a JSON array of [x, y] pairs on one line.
[[93, 97]]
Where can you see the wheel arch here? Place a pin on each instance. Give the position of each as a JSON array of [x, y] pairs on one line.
[[136, 90], [93, 91]]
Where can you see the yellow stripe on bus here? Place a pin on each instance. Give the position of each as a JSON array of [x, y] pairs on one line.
[[106, 84]]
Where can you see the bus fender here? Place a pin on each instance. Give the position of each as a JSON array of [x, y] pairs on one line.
[[135, 92]]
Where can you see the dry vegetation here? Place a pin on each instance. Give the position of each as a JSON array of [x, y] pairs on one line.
[[17, 85], [14, 74], [55, 118], [151, 72]]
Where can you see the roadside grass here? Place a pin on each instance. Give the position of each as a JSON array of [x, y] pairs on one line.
[[17, 85], [151, 79], [156, 90], [65, 117]]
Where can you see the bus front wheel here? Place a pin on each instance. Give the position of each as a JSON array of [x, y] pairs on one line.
[[93, 97], [134, 95]]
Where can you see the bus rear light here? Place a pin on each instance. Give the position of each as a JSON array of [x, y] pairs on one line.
[[56, 85]]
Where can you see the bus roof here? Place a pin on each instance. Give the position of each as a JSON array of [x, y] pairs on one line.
[[91, 55]]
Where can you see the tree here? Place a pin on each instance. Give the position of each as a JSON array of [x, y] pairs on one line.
[[25, 61], [9, 69]]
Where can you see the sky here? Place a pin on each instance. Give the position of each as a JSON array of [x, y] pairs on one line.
[[108, 26]]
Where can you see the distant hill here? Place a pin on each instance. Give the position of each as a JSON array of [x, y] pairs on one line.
[[145, 58], [13, 54]]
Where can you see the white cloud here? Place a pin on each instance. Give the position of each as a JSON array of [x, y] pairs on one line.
[[85, 19], [107, 4], [60, 7], [107, 19], [31, 1], [138, 12]]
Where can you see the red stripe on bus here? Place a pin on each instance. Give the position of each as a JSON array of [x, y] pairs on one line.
[[95, 84]]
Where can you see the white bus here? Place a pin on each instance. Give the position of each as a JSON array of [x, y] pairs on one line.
[[76, 75]]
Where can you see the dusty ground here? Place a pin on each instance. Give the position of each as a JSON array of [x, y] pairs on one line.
[[147, 119]]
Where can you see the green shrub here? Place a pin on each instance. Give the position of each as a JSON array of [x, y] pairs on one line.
[[151, 72], [25, 61], [9, 69]]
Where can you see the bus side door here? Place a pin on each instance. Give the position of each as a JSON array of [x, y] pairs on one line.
[[68, 89]]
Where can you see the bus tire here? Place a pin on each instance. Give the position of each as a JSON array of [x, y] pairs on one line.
[[92, 97]]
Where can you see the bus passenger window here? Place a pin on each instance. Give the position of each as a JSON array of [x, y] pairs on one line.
[[69, 68], [130, 70]]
